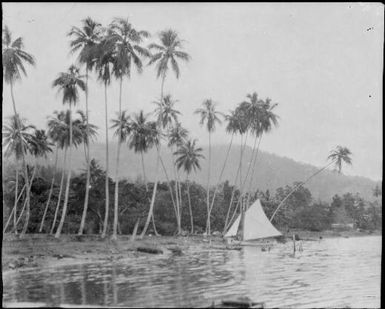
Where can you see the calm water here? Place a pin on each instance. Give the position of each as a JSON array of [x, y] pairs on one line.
[[343, 272]]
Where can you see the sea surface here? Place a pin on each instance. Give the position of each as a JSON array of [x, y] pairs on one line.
[[335, 273]]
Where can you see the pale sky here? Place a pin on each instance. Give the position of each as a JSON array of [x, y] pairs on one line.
[[322, 63]]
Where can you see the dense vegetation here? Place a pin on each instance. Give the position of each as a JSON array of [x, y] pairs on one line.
[[300, 211]]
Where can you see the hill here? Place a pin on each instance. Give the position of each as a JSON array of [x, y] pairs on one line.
[[272, 171]]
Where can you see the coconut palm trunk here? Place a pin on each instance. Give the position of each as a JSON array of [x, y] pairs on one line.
[[253, 172], [116, 201], [144, 171], [189, 206], [28, 191], [169, 187], [221, 174], [177, 196], [298, 186], [15, 204], [50, 192], [208, 189], [25, 201], [24, 166], [65, 205], [60, 192], [238, 174], [105, 224], [150, 212], [87, 194]]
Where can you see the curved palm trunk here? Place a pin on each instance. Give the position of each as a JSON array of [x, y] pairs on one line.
[[221, 174], [24, 166], [150, 212], [25, 201], [50, 192], [116, 202], [208, 189], [144, 171], [177, 195], [169, 187], [15, 204], [105, 225], [252, 173], [238, 174], [12, 214], [60, 192], [61, 223], [189, 206], [298, 186], [86, 198]]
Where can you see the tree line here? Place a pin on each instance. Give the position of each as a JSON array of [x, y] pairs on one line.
[[111, 53], [301, 211]]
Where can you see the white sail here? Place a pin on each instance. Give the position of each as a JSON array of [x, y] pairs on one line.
[[257, 225]]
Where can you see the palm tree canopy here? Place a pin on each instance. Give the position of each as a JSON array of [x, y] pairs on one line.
[[124, 42], [59, 129], [122, 126], [177, 135], [339, 155], [82, 124], [86, 40], [17, 136], [139, 132], [165, 112], [104, 59], [209, 115], [188, 156], [168, 51], [68, 83], [40, 145], [14, 57]]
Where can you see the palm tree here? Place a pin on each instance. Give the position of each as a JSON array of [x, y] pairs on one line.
[[340, 155], [167, 116], [17, 136], [122, 128], [337, 156], [188, 158], [39, 147], [139, 139], [233, 126], [124, 42], [260, 118], [59, 131], [105, 60], [85, 41], [13, 58], [177, 135], [154, 135], [262, 123], [168, 51], [68, 84], [210, 116]]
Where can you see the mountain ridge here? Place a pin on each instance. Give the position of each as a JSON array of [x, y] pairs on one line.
[[272, 170]]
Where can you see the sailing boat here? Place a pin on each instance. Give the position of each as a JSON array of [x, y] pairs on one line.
[[252, 225]]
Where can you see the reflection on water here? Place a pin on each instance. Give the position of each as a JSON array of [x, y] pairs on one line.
[[330, 273]]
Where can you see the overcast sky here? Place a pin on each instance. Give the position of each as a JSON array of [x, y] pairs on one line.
[[322, 63]]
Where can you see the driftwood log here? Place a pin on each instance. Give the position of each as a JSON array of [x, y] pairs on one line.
[[152, 250]]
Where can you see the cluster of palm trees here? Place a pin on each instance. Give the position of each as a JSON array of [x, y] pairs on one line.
[[110, 53]]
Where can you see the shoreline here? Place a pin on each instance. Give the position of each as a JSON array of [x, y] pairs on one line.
[[40, 251]]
